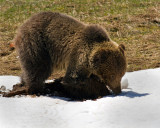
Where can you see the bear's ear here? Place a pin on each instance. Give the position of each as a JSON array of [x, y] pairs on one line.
[[95, 33], [122, 48]]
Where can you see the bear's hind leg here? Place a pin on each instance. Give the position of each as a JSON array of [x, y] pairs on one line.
[[35, 77]]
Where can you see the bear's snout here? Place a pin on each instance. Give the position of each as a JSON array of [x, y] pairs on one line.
[[117, 90]]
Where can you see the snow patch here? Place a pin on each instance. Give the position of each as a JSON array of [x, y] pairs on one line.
[[137, 106]]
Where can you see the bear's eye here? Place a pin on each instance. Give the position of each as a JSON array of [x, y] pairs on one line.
[[111, 77], [96, 60]]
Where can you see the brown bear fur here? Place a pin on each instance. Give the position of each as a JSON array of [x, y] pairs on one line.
[[53, 41]]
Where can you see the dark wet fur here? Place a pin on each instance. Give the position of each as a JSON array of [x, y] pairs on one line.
[[92, 88]]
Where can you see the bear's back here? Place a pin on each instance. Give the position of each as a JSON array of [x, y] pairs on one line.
[[63, 29], [51, 22], [55, 31]]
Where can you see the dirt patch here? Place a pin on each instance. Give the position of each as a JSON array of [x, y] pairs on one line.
[[138, 30]]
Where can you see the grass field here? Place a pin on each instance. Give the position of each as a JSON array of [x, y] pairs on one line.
[[135, 23]]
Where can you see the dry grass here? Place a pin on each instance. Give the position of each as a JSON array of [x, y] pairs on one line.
[[135, 23]]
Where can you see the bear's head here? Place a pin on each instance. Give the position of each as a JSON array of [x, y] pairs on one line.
[[108, 62]]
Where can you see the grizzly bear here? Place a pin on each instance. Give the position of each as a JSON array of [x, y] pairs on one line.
[[49, 42]]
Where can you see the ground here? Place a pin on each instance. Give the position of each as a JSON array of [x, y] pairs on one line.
[[136, 107], [134, 23]]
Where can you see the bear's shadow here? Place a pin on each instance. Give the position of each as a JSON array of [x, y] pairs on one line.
[[132, 94], [129, 94]]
